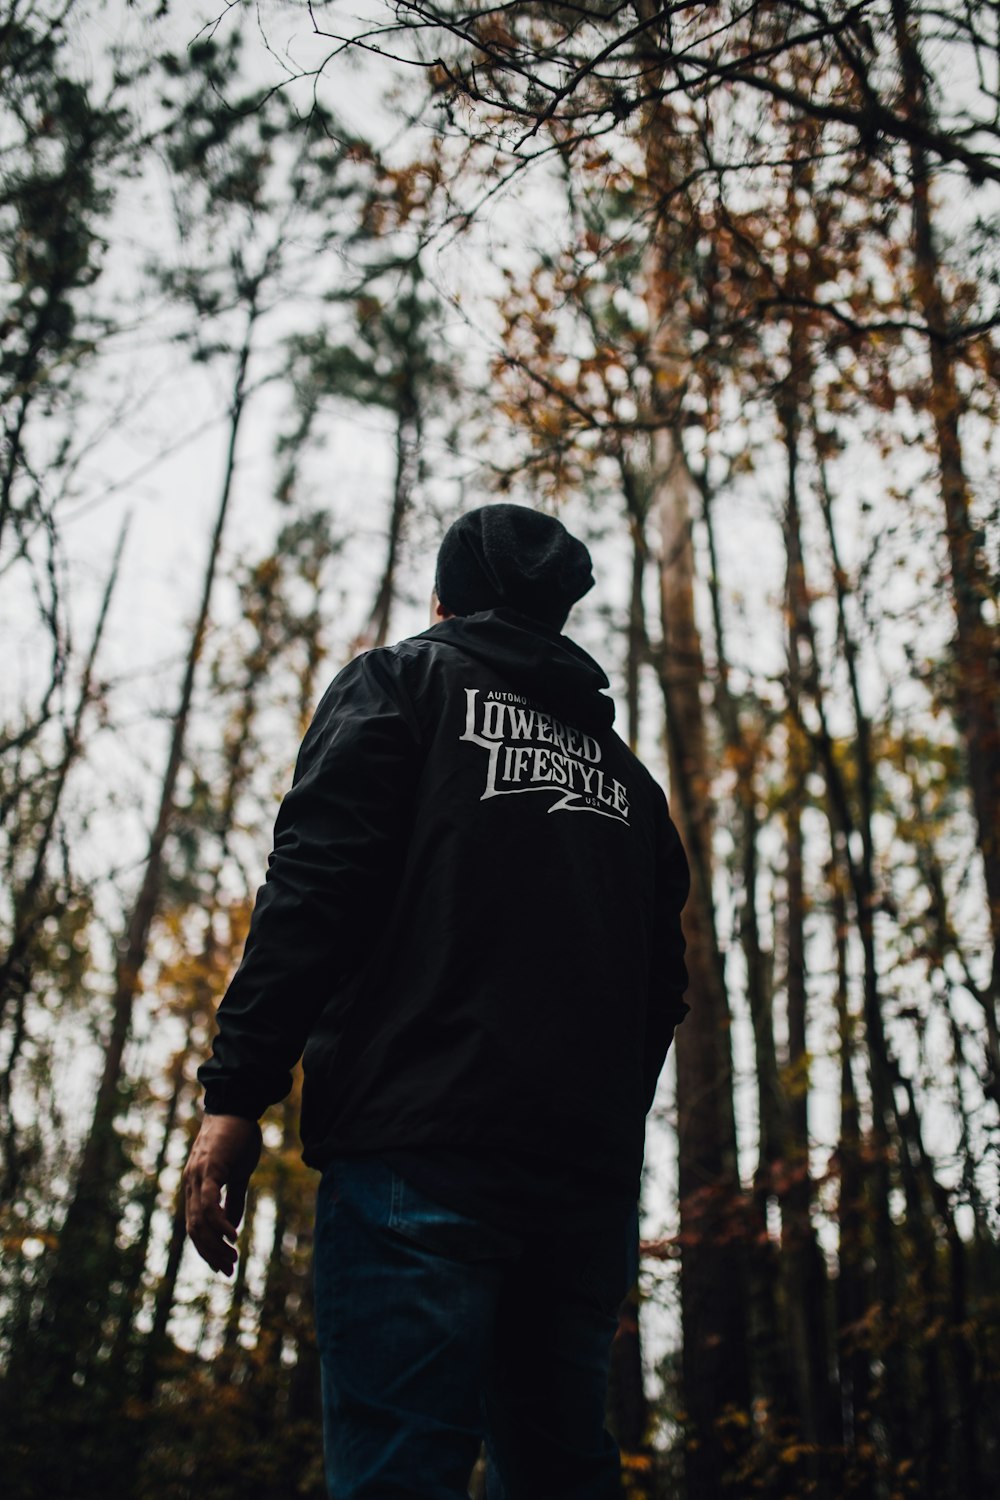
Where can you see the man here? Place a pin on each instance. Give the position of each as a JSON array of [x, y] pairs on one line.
[[471, 926]]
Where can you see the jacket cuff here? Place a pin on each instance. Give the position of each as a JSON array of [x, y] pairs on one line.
[[232, 1099]]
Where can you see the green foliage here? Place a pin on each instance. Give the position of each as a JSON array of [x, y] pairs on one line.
[[56, 188]]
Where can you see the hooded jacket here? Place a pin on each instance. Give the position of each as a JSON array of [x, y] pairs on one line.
[[471, 917]]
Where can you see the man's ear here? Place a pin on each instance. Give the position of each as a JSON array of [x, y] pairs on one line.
[[438, 611]]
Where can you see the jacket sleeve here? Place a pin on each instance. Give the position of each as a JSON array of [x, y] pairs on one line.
[[337, 841], [668, 976]]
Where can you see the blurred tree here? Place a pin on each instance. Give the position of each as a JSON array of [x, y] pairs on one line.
[[256, 196], [38, 899], [392, 359], [69, 142], [769, 308], [737, 283]]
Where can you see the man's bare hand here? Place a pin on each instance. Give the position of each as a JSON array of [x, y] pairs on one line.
[[222, 1160]]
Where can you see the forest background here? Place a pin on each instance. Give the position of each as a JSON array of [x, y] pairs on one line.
[[285, 288]]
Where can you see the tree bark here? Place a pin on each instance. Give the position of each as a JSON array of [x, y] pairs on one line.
[[766, 1341], [804, 1277], [977, 640], [712, 1206]]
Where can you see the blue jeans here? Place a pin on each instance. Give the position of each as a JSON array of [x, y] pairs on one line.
[[436, 1330]]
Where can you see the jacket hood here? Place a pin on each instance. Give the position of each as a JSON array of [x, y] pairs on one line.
[[536, 660]]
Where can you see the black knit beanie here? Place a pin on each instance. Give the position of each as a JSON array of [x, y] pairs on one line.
[[510, 555]]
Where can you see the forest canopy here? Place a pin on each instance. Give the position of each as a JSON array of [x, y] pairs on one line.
[[285, 290]]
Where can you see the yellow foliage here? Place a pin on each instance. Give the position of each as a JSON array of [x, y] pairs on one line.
[[640, 1462], [792, 1452]]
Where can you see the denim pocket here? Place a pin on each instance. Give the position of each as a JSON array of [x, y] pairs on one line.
[[443, 1230]]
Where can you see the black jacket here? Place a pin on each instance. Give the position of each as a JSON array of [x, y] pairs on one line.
[[471, 921]]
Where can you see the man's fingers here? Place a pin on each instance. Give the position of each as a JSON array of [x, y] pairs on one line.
[[224, 1154], [209, 1236], [236, 1199], [211, 1233], [216, 1254], [209, 1226]]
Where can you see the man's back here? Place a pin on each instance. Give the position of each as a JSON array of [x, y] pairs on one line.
[[502, 998], [471, 925], [498, 963]]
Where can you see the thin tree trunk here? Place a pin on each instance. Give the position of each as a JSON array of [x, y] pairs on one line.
[[268, 1375], [239, 764], [765, 1337], [637, 638], [842, 827], [925, 1197], [628, 1408], [88, 1233], [905, 1428], [12, 444], [947, 940], [852, 1280], [803, 1276], [977, 640], [712, 1207], [714, 1300], [273, 1296], [135, 1260], [407, 445], [15, 978], [156, 1342], [230, 1355]]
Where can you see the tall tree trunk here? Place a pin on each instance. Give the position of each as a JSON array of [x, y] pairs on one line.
[[803, 1274], [951, 1462], [946, 942], [230, 1356], [852, 1280], [896, 1133], [407, 449], [861, 875], [86, 1245], [742, 737], [30, 910], [637, 651], [272, 1301], [712, 1207], [15, 979], [713, 1210], [628, 1408], [977, 639], [239, 765], [156, 1343], [135, 1259]]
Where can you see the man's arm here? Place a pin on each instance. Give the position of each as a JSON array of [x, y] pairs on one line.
[[337, 837], [668, 976]]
